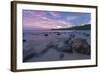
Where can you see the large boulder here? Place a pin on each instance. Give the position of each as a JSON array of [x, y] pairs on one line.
[[80, 45]]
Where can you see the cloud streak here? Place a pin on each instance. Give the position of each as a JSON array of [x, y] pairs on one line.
[[49, 19], [70, 18]]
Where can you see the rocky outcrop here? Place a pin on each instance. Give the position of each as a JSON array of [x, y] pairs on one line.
[[79, 45], [71, 45]]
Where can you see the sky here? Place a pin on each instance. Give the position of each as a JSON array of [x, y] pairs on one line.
[[37, 19]]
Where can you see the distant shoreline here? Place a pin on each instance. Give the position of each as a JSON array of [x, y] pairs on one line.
[[83, 27]]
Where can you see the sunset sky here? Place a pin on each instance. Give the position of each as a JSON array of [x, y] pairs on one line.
[[36, 19]]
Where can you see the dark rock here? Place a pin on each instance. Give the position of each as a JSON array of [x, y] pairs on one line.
[[24, 40], [58, 33], [80, 45], [45, 34]]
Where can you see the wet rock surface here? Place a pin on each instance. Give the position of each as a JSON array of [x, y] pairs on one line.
[[80, 45]]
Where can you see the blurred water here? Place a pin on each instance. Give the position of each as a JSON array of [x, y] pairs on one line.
[[34, 42]]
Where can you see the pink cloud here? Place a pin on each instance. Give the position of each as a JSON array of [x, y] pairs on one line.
[[55, 14], [46, 23], [39, 19]]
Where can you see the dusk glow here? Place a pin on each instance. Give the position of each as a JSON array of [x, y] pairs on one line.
[[34, 19]]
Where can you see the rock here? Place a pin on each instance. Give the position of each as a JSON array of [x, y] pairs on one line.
[[58, 33], [63, 46], [80, 45], [66, 48], [24, 40], [72, 45], [45, 34]]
